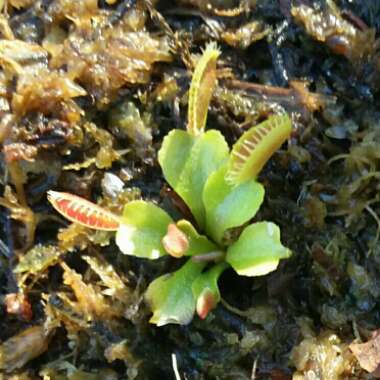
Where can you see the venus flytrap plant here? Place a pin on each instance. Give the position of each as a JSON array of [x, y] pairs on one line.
[[220, 188]]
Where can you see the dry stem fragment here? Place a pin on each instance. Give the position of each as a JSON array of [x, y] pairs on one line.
[[295, 96], [19, 349], [368, 354]]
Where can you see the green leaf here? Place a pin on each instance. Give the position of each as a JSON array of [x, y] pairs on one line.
[[229, 206], [171, 297], [256, 146], [142, 227], [198, 244], [258, 250], [173, 155], [188, 161], [206, 291]]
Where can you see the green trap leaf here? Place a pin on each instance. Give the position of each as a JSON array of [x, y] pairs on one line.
[[202, 86], [255, 147]]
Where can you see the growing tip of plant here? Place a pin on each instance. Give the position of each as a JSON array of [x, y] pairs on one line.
[[83, 212], [205, 303], [201, 88], [255, 147], [175, 241]]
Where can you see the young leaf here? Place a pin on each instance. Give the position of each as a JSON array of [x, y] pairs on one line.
[[82, 211], [229, 206], [175, 241], [258, 250], [142, 227], [171, 297], [206, 291], [201, 89], [187, 162], [198, 244], [255, 147]]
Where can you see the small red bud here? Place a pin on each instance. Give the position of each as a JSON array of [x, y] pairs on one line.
[[205, 303], [175, 241]]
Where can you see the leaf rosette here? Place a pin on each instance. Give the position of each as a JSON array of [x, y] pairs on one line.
[[220, 188]]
